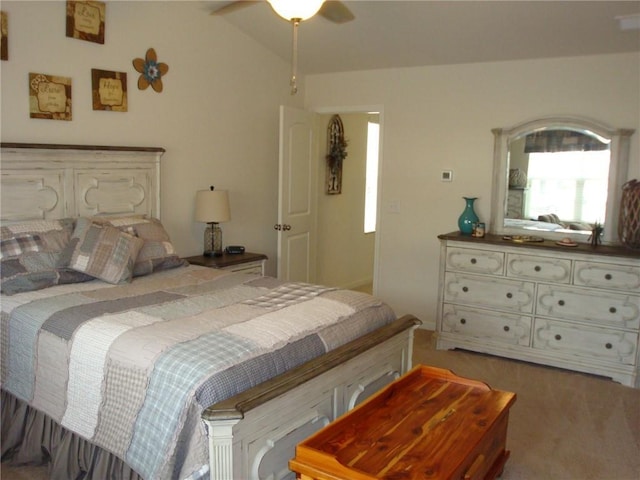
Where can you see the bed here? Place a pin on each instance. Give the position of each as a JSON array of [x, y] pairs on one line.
[[146, 367]]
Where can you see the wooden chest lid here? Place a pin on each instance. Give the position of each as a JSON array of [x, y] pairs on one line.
[[414, 425]]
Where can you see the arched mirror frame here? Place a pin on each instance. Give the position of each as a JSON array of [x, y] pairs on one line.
[[618, 169]]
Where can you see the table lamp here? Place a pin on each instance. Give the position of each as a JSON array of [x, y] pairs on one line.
[[212, 208]]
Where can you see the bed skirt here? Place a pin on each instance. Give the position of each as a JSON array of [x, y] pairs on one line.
[[29, 437]]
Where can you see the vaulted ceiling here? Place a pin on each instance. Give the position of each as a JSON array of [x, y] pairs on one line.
[[401, 33]]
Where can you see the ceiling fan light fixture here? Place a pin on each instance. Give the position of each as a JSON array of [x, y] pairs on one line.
[[296, 9]]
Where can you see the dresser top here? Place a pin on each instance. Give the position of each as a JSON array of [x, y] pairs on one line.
[[546, 245]]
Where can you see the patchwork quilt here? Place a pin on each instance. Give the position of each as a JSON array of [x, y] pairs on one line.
[[131, 367]]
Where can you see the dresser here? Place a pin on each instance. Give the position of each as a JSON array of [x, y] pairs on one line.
[[570, 307], [516, 198]]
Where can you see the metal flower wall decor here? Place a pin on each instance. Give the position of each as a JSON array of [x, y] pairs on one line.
[[151, 71]]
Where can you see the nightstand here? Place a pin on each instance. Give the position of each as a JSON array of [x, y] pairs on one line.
[[237, 262]]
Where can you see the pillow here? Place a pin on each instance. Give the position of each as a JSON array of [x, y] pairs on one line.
[[580, 226], [103, 251], [157, 252], [32, 256], [550, 218]]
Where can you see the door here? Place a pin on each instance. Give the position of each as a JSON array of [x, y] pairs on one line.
[[297, 197]]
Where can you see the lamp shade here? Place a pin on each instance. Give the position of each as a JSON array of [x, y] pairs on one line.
[[299, 9], [212, 206]]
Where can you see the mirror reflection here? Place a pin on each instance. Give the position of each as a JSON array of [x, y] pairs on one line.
[[558, 180], [556, 177]]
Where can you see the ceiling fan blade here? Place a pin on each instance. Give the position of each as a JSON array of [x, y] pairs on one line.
[[336, 12], [228, 7]]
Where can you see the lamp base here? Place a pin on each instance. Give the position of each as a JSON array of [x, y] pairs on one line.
[[212, 240]]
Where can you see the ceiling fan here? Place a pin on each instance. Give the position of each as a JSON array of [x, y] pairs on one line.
[[295, 11]]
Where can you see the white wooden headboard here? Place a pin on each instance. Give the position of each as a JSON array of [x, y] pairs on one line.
[[42, 181]]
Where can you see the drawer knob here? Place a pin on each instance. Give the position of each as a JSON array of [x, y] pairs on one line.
[[612, 310], [465, 289], [463, 321], [537, 268], [608, 276], [608, 346], [558, 336], [506, 328], [561, 303], [474, 261], [509, 295]]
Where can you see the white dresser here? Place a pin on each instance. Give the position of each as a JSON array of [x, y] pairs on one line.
[[576, 308]]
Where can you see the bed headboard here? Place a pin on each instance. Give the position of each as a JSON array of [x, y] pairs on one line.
[[42, 181]]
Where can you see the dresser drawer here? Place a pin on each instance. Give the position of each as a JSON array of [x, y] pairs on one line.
[[487, 291], [606, 275], [621, 311], [615, 346], [250, 267], [547, 269], [475, 261], [487, 325]]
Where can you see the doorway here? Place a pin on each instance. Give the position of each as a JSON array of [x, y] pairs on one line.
[[346, 245]]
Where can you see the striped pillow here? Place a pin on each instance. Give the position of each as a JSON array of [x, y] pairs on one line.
[[157, 252], [103, 251], [33, 256], [12, 247]]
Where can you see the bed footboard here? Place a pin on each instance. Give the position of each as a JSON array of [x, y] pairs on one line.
[[253, 435]]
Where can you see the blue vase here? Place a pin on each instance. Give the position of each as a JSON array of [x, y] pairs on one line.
[[468, 217]]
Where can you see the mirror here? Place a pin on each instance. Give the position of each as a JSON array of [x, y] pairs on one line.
[[555, 177]]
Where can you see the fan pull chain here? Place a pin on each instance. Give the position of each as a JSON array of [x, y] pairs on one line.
[[294, 61]]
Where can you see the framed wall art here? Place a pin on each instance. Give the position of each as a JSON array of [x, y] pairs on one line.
[[109, 90], [336, 153], [86, 20], [4, 38], [49, 97]]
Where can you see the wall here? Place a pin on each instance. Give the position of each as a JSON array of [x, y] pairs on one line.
[[345, 252], [217, 117], [440, 118], [218, 120]]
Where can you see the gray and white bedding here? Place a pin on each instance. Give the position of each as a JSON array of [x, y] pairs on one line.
[[130, 367]]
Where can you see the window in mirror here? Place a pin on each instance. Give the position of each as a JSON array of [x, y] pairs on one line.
[[573, 185], [566, 174], [557, 176]]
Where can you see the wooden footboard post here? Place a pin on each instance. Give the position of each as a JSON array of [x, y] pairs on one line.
[[221, 448]]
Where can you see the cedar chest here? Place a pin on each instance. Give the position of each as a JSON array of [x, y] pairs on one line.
[[428, 424]]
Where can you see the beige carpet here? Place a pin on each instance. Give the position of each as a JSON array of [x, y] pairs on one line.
[[563, 426]]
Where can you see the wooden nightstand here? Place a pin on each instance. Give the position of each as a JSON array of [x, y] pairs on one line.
[[237, 262]]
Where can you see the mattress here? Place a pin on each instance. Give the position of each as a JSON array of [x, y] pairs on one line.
[[131, 367]]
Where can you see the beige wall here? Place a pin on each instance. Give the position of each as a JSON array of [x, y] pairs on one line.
[[217, 117], [218, 120], [345, 252], [440, 118]]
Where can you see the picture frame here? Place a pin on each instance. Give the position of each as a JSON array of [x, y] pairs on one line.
[[86, 20], [49, 97], [4, 36], [109, 90]]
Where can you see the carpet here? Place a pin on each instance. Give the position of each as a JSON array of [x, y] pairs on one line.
[[563, 426]]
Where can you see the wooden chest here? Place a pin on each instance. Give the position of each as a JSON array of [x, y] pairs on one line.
[[428, 424]]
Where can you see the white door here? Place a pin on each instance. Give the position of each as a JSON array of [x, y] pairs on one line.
[[297, 197]]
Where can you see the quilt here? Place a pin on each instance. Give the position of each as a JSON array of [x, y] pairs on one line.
[[131, 367]]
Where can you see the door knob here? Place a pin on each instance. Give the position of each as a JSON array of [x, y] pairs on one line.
[[277, 226]]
